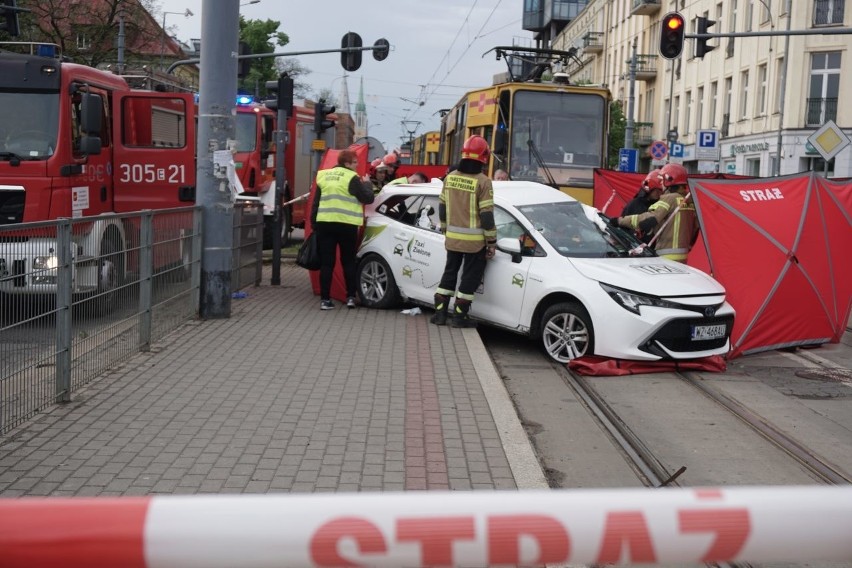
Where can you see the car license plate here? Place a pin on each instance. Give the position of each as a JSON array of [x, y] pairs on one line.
[[704, 332]]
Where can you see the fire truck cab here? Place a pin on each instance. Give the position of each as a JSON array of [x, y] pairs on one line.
[[78, 142]]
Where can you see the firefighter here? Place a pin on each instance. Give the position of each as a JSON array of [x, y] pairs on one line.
[[647, 195], [678, 234], [466, 213]]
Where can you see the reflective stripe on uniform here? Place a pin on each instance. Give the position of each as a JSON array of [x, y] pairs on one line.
[[469, 297]]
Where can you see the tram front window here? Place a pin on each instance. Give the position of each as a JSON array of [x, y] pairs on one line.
[[566, 130]]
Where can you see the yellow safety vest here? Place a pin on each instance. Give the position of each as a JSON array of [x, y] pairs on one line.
[[336, 204]]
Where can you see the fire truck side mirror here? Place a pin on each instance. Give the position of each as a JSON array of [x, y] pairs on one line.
[[91, 112]]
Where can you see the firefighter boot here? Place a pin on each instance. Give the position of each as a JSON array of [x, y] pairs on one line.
[[460, 316], [441, 305]]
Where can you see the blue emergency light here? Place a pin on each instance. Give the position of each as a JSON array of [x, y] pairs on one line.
[[244, 99]]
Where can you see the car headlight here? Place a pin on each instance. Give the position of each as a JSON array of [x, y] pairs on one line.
[[632, 301]]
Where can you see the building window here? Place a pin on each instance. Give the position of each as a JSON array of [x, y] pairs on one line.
[[675, 113], [779, 85], [765, 13], [714, 95], [760, 103], [749, 15], [827, 12], [688, 116], [699, 108], [824, 88], [743, 95], [83, 42], [729, 50]]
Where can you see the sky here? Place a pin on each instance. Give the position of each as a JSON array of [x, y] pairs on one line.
[[436, 51]]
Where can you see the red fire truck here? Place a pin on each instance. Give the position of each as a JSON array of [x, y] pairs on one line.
[[255, 161], [78, 142]]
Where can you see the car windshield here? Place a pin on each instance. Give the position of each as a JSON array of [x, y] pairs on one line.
[[567, 228], [29, 123]]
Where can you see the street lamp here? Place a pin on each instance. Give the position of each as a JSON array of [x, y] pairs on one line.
[[252, 2], [186, 14]]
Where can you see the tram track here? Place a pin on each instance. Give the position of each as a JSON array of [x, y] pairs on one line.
[[651, 470]]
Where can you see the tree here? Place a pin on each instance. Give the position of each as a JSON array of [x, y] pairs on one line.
[[295, 69], [87, 30], [262, 36], [617, 126]]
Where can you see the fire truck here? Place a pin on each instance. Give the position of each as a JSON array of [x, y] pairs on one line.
[[78, 142], [255, 161]]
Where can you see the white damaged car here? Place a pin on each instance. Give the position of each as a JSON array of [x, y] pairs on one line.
[[560, 276]]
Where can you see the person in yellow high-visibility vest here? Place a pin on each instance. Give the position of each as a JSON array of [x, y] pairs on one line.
[[466, 212], [337, 215]]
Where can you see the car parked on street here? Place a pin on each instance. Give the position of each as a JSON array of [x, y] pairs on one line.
[[561, 275]]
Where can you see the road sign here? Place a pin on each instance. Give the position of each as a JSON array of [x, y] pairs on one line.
[[672, 136], [658, 150], [829, 140], [676, 150], [707, 145], [628, 159]]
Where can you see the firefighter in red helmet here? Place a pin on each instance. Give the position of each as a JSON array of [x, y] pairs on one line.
[[678, 234], [466, 211], [647, 195]]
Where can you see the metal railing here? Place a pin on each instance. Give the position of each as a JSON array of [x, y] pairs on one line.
[[643, 133], [820, 111], [79, 296]]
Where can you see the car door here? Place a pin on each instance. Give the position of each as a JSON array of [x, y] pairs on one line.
[[500, 298], [417, 256]]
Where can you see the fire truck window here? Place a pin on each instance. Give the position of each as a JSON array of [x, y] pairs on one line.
[[153, 123], [246, 131], [267, 140]]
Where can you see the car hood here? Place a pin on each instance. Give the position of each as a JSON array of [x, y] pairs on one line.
[[653, 275]]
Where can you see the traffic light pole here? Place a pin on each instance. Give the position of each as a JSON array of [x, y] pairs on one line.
[[280, 180]]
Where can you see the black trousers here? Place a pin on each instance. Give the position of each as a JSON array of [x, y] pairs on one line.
[[472, 270], [330, 238]]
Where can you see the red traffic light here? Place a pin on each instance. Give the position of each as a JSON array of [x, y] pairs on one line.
[[675, 22], [671, 35]]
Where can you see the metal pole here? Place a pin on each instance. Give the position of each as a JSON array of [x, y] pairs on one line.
[[163, 41], [779, 147], [121, 45], [280, 180], [628, 131], [215, 138], [671, 100]]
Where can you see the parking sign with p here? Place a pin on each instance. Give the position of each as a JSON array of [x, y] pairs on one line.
[[707, 147]]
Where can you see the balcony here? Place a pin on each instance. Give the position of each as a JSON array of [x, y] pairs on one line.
[[643, 133], [820, 111], [644, 7], [828, 12], [593, 42], [646, 67]]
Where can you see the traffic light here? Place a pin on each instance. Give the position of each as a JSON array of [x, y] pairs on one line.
[[671, 35], [283, 89], [321, 120], [351, 60], [702, 24], [9, 17], [243, 65]]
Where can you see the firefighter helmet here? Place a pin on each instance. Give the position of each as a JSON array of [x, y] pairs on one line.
[[476, 148], [673, 174], [391, 160], [652, 181]]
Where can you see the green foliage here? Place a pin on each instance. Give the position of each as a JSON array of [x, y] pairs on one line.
[[617, 126], [262, 36]]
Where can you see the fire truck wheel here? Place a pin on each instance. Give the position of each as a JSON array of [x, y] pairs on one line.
[[286, 228], [110, 274], [376, 285]]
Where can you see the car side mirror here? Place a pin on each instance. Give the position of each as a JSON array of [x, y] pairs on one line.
[[511, 247]]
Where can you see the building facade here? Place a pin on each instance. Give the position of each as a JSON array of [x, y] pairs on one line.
[[762, 95]]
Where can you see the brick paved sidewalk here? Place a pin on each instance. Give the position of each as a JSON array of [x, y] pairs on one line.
[[258, 403]]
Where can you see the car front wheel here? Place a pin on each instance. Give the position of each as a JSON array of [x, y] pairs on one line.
[[376, 285], [566, 332]]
